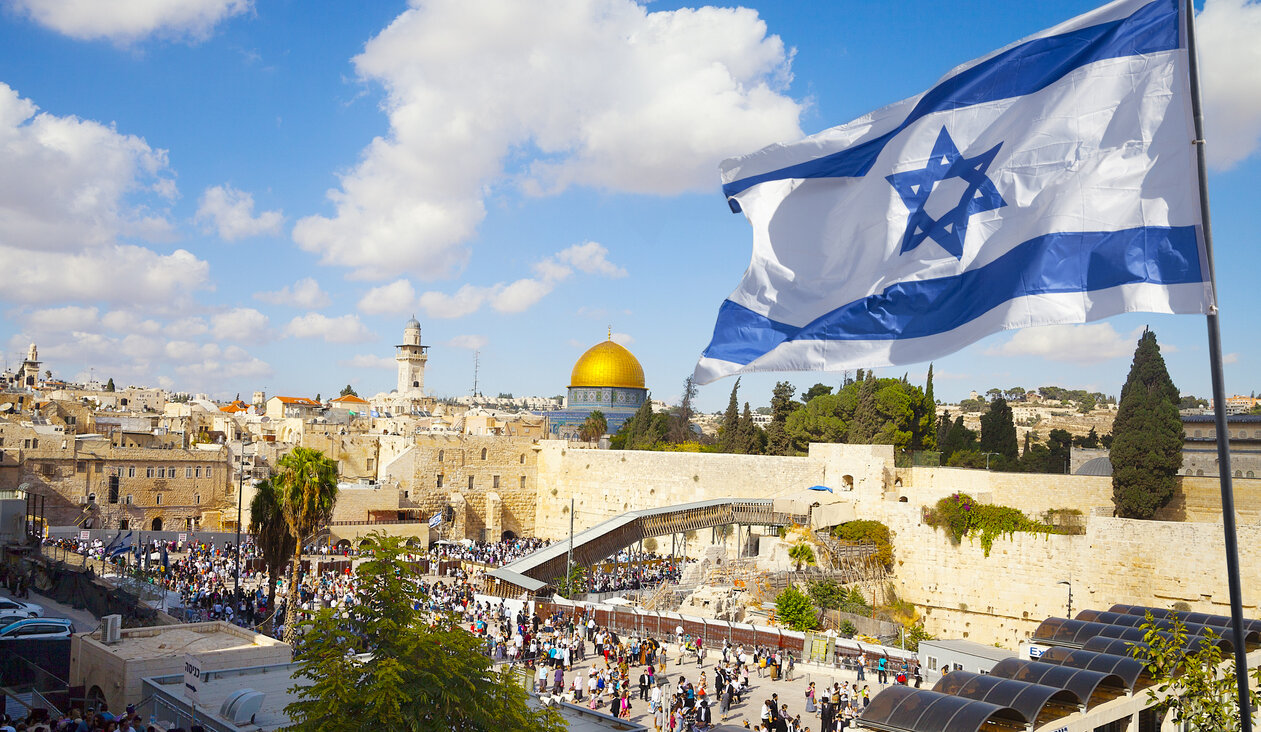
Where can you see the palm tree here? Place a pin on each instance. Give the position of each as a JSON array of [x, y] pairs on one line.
[[801, 553], [271, 535], [306, 481]]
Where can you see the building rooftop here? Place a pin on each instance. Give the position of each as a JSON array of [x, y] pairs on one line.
[[971, 648], [176, 640]]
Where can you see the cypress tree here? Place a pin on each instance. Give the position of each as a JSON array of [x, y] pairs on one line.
[[998, 430], [866, 422], [928, 421], [729, 431], [1146, 450], [782, 404]]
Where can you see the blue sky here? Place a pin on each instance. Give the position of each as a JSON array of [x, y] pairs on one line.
[[226, 195]]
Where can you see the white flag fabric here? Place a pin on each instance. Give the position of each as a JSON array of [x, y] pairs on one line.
[[1053, 181]]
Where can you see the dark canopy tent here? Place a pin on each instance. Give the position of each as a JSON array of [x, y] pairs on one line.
[[1131, 670], [1215, 621], [1036, 703], [1091, 687], [905, 709]]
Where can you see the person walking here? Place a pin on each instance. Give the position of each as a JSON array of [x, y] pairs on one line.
[[882, 670]]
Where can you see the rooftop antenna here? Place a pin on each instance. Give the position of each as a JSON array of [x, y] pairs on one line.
[[476, 365]]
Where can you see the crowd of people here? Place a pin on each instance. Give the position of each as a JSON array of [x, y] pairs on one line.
[[493, 554]]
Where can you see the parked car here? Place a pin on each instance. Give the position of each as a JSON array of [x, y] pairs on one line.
[[37, 629], [8, 617], [9, 606]]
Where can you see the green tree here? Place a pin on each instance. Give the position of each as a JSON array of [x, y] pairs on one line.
[[424, 673], [827, 594], [794, 609], [802, 553], [306, 482], [573, 585], [681, 424], [1147, 433], [815, 391], [958, 439], [865, 424], [1193, 680], [868, 531], [645, 430], [593, 427], [1090, 441], [927, 413], [1192, 402], [109, 385], [272, 537], [729, 430], [348, 390], [998, 430], [778, 441], [752, 437]]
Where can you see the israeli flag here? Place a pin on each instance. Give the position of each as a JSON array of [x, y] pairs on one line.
[[123, 547], [1053, 181]]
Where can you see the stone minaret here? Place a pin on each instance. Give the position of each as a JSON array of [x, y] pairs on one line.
[[411, 358]]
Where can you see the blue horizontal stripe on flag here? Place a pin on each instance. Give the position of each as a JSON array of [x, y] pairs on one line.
[[1016, 72], [1054, 263]]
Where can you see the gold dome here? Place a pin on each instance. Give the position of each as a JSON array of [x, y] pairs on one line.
[[608, 364]]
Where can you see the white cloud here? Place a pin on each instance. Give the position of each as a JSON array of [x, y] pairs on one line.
[[342, 329], [61, 319], [609, 94], [512, 297], [230, 212], [71, 189], [471, 342], [123, 321], [243, 325], [1230, 54], [397, 297], [1082, 344], [369, 361], [305, 293], [187, 327], [127, 21], [591, 258], [1230, 358], [622, 339]]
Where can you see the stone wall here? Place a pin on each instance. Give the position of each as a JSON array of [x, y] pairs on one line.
[[1001, 598]]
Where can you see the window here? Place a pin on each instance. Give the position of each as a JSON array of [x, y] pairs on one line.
[[439, 480], [197, 471], [99, 466], [483, 453], [1251, 474], [188, 472], [523, 482], [113, 489], [197, 499], [80, 467], [470, 482], [123, 524], [523, 458], [127, 500], [48, 470], [209, 470], [131, 471], [369, 464], [932, 663], [157, 499], [440, 454], [161, 472], [148, 472], [91, 498], [170, 472], [1199, 472], [495, 481], [1197, 433]]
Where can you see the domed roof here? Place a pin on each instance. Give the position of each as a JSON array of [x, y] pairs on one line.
[[413, 323], [1096, 466], [608, 364]]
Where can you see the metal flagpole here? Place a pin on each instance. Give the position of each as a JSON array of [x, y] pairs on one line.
[[1219, 394]]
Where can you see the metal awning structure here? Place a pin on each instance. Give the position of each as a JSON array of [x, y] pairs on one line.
[[904, 709], [1130, 670], [608, 538], [1036, 703], [1091, 687], [1215, 621], [1076, 633], [1252, 635]]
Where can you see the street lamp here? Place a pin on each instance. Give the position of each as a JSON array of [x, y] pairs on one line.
[[240, 493], [987, 458], [1070, 596]]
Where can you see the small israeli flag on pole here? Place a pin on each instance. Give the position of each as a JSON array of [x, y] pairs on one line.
[[1053, 181]]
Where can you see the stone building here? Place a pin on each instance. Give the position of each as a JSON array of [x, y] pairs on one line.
[[95, 484], [489, 482]]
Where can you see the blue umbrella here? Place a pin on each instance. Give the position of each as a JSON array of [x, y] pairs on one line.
[[820, 488]]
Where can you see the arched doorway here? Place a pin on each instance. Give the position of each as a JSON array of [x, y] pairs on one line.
[[508, 535], [157, 524], [95, 698]]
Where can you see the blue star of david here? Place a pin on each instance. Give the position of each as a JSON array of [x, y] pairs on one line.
[[915, 186]]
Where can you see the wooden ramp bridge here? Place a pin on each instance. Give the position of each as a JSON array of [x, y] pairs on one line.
[[533, 572]]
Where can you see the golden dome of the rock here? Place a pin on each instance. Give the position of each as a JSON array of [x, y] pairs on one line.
[[608, 364]]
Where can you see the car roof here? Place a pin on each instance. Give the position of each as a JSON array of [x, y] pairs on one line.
[[28, 621]]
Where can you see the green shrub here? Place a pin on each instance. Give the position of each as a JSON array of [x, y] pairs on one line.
[[847, 629], [961, 516], [865, 531], [827, 594]]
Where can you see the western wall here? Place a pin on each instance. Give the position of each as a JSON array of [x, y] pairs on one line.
[[959, 592]]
